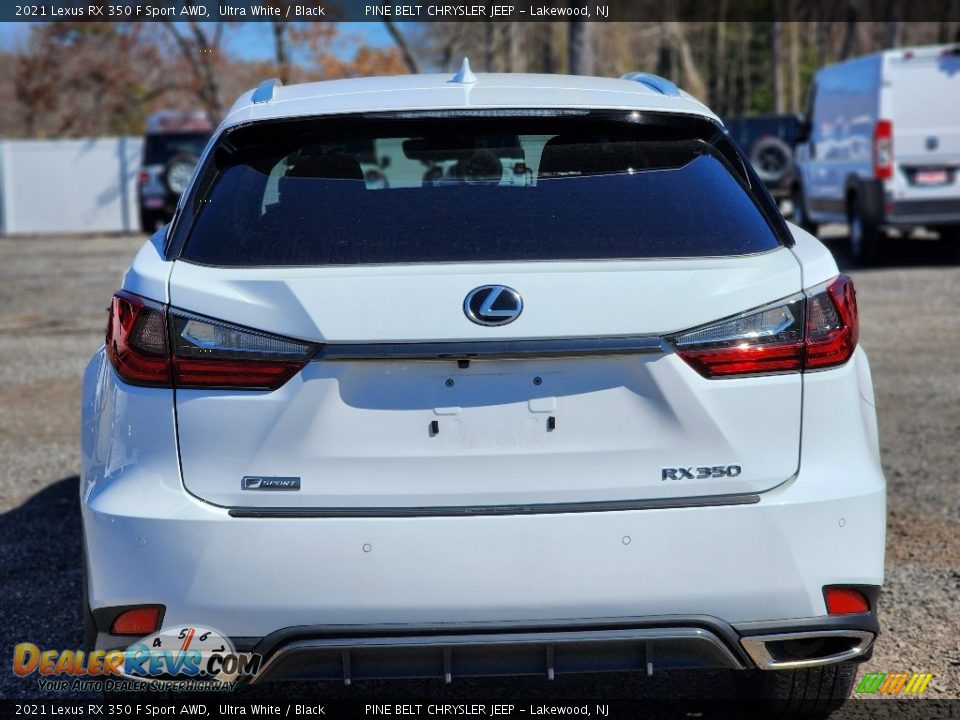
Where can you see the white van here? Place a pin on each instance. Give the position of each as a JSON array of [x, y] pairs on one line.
[[883, 147]]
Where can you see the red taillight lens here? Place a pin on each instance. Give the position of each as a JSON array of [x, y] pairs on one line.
[[845, 601], [137, 621], [204, 353], [137, 340], [833, 326], [817, 329], [883, 150], [144, 177], [760, 341]]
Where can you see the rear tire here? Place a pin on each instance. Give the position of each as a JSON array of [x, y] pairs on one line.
[[867, 241], [805, 693], [799, 215]]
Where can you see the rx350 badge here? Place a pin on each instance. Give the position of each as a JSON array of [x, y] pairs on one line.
[[700, 473]]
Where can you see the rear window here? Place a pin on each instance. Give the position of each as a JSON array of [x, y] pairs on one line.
[[431, 189]]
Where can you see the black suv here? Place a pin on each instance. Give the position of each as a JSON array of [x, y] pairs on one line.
[[769, 142], [171, 149]]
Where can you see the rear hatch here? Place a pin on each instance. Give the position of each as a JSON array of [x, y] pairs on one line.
[[613, 235], [926, 119]]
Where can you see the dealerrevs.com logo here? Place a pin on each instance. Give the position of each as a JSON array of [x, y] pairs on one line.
[[192, 657], [902, 683]]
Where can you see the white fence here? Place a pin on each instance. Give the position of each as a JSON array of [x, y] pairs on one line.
[[69, 186]]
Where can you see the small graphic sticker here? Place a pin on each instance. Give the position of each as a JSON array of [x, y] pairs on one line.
[[902, 683]]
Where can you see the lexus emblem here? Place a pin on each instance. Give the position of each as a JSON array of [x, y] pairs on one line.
[[493, 305], [933, 142]]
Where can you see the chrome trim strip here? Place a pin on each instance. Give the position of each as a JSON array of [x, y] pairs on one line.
[[493, 349], [496, 510], [756, 647], [535, 638]]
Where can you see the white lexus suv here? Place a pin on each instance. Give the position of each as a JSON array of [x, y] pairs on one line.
[[486, 375]]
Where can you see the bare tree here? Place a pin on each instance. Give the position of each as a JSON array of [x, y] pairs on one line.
[[850, 33], [280, 50], [514, 47], [776, 65], [409, 56], [200, 50], [794, 67], [692, 78], [580, 47]]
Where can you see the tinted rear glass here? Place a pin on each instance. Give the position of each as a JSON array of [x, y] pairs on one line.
[[376, 190]]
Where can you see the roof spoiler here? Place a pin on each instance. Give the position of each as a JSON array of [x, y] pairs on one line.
[[654, 82], [264, 91]]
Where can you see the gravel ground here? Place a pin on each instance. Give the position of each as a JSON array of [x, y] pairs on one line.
[[53, 295]]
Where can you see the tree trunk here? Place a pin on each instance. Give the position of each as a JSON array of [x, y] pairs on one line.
[[280, 51], [515, 48], [663, 51], [720, 62], [546, 48], [794, 69], [692, 79], [747, 97], [850, 32], [776, 65], [581, 47]]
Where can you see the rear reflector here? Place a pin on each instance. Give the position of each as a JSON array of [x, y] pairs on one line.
[[809, 331], [138, 621], [151, 344], [845, 601]]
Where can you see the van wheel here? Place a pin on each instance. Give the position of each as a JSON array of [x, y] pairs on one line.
[[805, 693], [866, 239], [799, 215]]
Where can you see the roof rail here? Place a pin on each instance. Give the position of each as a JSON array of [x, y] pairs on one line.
[[654, 82], [264, 91]]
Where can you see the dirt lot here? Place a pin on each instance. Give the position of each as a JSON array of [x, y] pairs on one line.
[[53, 296]]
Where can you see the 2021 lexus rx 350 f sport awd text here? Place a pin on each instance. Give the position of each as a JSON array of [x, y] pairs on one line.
[[503, 374]]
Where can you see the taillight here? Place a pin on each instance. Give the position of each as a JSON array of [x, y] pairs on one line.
[[137, 340], [833, 327], [809, 331], [212, 354], [151, 344], [883, 150], [766, 340]]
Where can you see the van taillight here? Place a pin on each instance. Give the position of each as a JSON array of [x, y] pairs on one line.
[[883, 150], [151, 344], [807, 331]]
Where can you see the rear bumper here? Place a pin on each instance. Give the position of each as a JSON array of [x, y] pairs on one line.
[[923, 212], [749, 568], [628, 644]]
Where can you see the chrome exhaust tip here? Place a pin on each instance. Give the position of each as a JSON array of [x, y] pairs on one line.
[[806, 649]]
